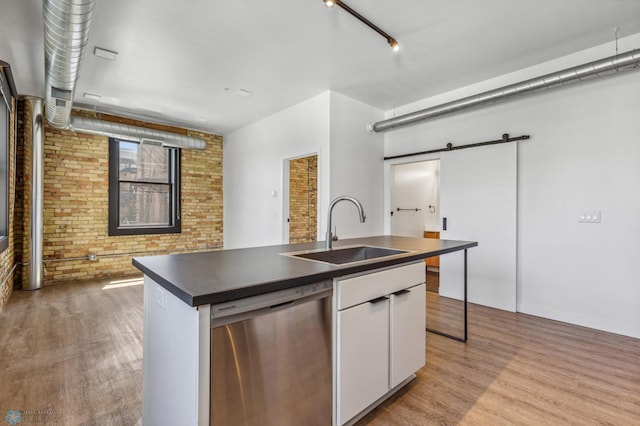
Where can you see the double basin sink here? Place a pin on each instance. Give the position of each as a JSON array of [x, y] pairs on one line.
[[344, 255]]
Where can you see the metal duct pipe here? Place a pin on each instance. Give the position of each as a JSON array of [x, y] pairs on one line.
[[66, 34], [34, 107], [586, 71], [133, 133]]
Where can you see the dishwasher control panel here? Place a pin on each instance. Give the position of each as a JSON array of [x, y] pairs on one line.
[[271, 300]]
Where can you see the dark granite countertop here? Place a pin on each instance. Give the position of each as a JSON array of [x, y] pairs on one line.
[[220, 276]]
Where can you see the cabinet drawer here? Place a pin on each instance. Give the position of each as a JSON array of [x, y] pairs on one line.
[[362, 288]]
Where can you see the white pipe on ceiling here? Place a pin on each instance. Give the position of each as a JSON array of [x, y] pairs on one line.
[[599, 68]]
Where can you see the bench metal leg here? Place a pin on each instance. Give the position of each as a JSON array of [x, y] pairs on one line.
[[459, 339]]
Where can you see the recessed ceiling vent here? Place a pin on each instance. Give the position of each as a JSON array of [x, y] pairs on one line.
[[66, 34]]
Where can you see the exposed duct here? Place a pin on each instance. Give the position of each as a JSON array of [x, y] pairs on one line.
[[134, 133], [586, 71], [33, 281], [66, 34]]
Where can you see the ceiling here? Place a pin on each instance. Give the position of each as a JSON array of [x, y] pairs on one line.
[[180, 63]]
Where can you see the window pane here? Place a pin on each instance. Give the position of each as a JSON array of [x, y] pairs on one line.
[[144, 188], [144, 204], [147, 163]]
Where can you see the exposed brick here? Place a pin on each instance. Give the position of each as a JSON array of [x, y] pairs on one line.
[[75, 215], [303, 196]]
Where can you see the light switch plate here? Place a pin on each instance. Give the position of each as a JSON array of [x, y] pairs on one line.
[[589, 216]]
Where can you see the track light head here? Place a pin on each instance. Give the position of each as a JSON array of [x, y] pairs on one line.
[[329, 3], [394, 44]]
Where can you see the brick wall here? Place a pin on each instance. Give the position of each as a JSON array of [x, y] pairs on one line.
[[75, 207], [7, 256], [303, 199]]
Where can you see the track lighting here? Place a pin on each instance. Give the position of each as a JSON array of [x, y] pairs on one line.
[[394, 44], [392, 41]]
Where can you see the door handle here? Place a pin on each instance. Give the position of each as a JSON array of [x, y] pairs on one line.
[[378, 300], [401, 292], [444, 223]]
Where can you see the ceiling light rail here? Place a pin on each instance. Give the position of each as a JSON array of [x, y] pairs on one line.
[[505, 139], [392, 41]]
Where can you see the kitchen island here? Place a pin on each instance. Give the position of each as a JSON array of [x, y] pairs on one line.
[[182, 292]]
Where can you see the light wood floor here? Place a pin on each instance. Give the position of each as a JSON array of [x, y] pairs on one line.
[[72, 354], [517, 369]]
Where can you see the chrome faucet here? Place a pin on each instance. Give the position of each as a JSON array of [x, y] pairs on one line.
[[363, 217]]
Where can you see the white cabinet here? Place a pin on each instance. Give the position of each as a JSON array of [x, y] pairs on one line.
[[364, 356], [380, 335], [407, 333]]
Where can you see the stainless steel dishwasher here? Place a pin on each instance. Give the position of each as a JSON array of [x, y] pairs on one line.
[[271, 358]]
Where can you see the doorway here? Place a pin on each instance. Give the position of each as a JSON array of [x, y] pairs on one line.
[[415, 211], [303, 199], [477, 195]]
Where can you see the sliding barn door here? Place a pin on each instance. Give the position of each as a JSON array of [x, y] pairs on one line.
[[478, 200]]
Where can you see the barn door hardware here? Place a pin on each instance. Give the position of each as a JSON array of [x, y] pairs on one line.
[[451, 147]]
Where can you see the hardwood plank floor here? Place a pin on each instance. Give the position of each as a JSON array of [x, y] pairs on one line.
[[517, 369], [72, 354]]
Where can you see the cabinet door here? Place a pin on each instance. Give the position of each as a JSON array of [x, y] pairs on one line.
[[434, 261], [407, 333], [363, 356]]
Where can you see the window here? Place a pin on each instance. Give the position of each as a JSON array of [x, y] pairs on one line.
[[5, 111], [144, 188]]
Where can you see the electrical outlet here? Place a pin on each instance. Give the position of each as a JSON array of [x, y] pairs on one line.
[[160, 296], [589, 216]]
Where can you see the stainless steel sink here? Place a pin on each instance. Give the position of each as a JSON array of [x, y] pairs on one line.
[[340, 256]]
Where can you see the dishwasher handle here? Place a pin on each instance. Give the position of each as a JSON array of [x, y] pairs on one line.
[[226, 317], [281, 305]]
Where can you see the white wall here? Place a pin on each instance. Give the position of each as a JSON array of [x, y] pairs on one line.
[[350, 162], [175, 379], [584, 154], [356, 167], [253, 168], [415, 185]]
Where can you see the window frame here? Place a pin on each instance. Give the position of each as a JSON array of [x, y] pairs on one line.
[[7, 93], [174, 226]]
